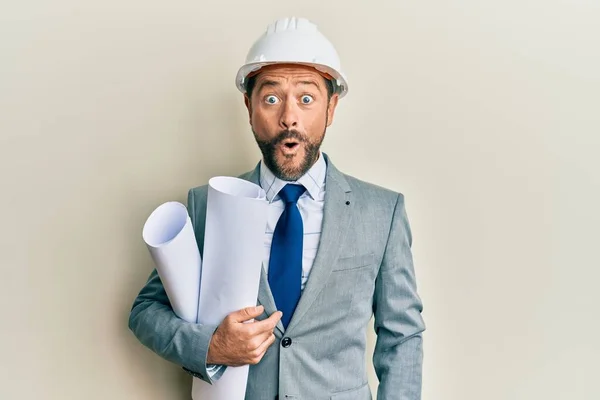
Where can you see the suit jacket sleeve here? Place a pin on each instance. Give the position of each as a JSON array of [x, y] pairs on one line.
[[156, 326], [398, 355]]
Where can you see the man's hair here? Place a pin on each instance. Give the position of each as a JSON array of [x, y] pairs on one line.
[[252, 82]]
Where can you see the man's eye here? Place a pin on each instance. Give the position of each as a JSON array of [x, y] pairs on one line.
[[272, 100], [306, 99]]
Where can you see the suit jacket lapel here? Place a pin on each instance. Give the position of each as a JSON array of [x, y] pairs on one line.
[[336, 220], [265, 297]]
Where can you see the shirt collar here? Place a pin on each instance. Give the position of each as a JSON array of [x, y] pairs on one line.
[[313, 180]]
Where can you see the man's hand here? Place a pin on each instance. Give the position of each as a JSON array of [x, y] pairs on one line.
[[237, 343]]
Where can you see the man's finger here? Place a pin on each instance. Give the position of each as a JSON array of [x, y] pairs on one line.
[[258, 340], [265, 325], [262, 349]]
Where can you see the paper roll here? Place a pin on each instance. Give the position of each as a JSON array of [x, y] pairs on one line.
[[236, 218], [169, 236]]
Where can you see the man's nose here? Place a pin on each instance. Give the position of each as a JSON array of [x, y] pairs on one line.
[[289, 115]]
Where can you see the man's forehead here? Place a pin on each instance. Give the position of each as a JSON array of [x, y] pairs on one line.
[[288, 72]]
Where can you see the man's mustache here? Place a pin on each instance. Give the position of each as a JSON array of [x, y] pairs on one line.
[[288, 134]]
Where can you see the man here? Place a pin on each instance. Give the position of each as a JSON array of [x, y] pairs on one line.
[[337, 251]]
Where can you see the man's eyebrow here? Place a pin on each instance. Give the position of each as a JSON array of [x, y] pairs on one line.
[[309, 82], [267, 83]]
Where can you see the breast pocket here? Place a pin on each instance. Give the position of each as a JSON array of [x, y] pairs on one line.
[[349, 275], [360, 273], [354, 262]]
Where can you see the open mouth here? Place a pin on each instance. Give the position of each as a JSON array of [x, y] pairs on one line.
[[291, 144]]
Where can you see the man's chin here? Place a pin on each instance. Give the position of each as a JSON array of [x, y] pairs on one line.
[[288, 168], [288, 174]]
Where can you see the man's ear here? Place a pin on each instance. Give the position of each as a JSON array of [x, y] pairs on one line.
[[248, 104], [333, 102]]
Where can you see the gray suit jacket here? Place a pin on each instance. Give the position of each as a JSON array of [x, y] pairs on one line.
[[363, 268]]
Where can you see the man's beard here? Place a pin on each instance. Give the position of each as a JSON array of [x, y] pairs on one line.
[[269, 150]]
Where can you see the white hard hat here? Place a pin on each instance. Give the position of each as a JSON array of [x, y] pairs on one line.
[[294, 41]]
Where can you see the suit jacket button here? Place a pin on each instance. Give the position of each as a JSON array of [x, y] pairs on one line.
[[286, 342]]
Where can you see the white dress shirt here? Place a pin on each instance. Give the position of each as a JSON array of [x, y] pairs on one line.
[[310, 205]]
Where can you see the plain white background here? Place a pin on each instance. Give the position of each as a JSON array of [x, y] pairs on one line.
[[485, 114]]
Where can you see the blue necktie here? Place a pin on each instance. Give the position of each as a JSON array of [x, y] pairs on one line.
[[285, 262]]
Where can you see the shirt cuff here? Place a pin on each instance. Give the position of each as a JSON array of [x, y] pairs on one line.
[[215, 371]]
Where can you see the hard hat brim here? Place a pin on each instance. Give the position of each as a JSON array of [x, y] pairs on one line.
[[339, 81]]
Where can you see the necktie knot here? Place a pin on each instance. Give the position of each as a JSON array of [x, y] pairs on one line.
[[291, 193]]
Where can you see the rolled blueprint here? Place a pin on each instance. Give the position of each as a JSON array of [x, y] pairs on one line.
[[169, 236], [236, 218]]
